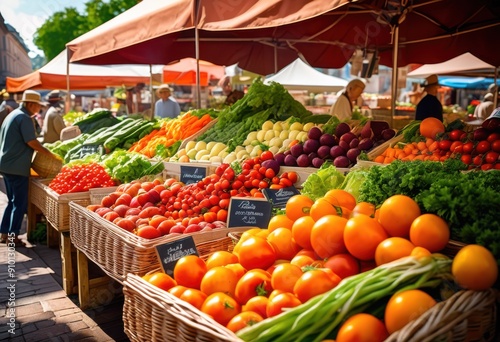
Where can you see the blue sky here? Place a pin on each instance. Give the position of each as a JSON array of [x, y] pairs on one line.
[[26, 16]]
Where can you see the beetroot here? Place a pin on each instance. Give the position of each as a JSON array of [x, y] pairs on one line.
[[323, 151], [336, 151], [310, 145], [388, 134], [344, 144], [290, 160], [354, 143], [296, 150], [317, 162], [341, 129], [327, 139], [341, 161], [314, 133], [272, 164], [366, 131], [347, 137], [365, 144], [280, 158], [352, 154], [303, 160]]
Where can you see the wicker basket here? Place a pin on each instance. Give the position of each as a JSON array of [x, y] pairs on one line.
[[57, 207], [119, 252], [46, 167], [170, 319], [38, 195], [452, 248], [466, 316]]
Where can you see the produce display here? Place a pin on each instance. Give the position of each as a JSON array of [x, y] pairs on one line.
[[431, 140], [164, 141], [80, 178], [341, 256], [318, 273], [172, 207]]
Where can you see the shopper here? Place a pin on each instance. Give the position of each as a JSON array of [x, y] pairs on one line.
[[430, 106], [166, 106], [485, 108], [18, 141], [8, 100], [232, 95], [342, 108], [53, 122]]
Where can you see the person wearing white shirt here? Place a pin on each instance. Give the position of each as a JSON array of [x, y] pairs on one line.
[[166, 106], [342, 108]]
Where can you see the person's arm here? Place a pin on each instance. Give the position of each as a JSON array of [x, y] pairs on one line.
[[37, 146]]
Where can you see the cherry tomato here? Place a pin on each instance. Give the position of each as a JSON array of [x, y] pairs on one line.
[[495, 145], [266, 155], [281, 301], [491, 157], [493, 137], [221, 307], [255, 282], [483, 147], [445, 145], [456, 134], [269, 174], [477, 160], [457, 147], [468, 147]]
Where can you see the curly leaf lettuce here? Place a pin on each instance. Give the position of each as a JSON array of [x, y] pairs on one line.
[[319, 183]]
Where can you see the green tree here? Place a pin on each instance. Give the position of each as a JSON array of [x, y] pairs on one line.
[[64, 26]]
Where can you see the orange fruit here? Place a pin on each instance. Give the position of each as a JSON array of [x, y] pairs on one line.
[[327, 236], [362, 235], [362, 327], [322, 207], [341, 198], [406, 306], [397, 213], [430, 231], [301, 231], [162, 281], [298, 206], [364, 208], [279, 221], [391, 249], [430, 127], [475, 268]]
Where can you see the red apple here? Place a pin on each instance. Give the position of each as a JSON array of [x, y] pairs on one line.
[[121, 209], [192, 228], [178, 228], [133, 211], [134, 202]]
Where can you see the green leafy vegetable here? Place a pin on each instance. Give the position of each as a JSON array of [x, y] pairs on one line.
[[319, 183]]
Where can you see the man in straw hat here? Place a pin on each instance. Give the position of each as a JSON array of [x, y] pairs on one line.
[[18, 141], [166, 106], [430, 106]]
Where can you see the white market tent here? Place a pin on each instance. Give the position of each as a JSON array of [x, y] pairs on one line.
[[464, 65], [300, 76]]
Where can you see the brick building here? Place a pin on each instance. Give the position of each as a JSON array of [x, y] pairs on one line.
[[14, 59]]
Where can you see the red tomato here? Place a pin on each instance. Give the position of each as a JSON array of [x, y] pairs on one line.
[[256, 252], [445, 145], [270, 174], [255, 282], [243, 319], [189, 271], [266, 155], [343, 265], [466, 159], [483, 147], [477, 160], [468, 147], [456, 134], [281, 301], [315, 282], [491, 157], [493, 137], [495, 145], [362, 327], [221, 307]]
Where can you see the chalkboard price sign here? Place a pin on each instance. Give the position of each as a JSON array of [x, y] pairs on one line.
[[192, 174], [168, 253], [279, 197], [91, 149], [249, 212]]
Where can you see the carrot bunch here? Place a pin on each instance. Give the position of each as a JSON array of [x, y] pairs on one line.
[[422, 150], [170, 131]]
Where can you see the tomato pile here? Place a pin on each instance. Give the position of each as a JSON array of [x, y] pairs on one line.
[[304, 253], [156, 208], [78, 178]]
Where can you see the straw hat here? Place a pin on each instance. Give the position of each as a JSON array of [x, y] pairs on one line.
[[32, 96], [164, 87], [430, 81], [54, 95]]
